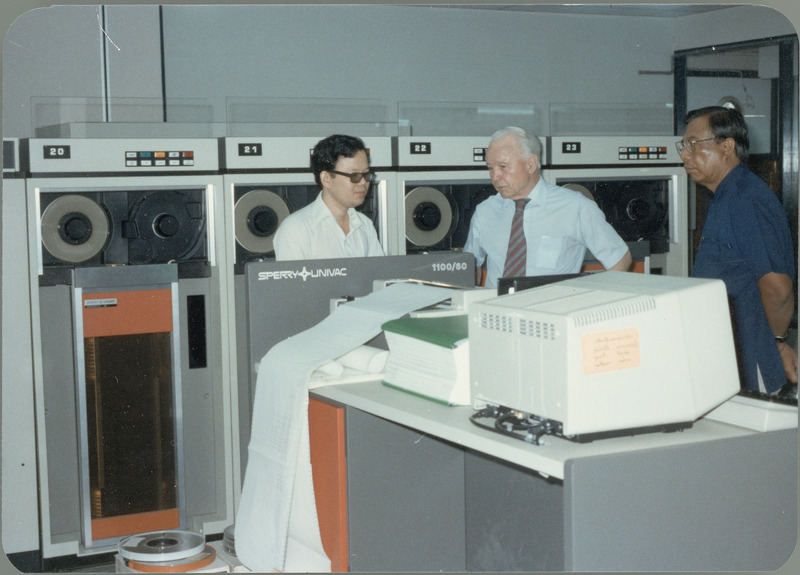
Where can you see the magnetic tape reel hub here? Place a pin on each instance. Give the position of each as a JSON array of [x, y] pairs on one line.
[[257, 215], [166, 226], [74, 228], [430, 216]]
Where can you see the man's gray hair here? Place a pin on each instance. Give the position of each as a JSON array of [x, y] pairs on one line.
[[529, 144]]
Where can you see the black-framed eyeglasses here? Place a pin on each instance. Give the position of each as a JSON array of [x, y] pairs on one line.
[[356, 177], [681, 146]]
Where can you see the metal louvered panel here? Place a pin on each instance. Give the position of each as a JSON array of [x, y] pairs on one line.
[[496, 322], [614, 311], [537, 329]]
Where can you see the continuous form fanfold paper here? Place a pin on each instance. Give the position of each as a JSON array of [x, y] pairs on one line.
[[363, 359], [276, 524]]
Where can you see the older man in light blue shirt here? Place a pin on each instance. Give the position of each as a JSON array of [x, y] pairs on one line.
[[559, 224]]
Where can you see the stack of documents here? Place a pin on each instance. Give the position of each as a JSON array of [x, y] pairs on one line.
[[429, 356]]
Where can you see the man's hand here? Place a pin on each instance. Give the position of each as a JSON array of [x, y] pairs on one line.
[[789, 357]]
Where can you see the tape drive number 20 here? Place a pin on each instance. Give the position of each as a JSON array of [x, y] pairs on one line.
[[56, 152]]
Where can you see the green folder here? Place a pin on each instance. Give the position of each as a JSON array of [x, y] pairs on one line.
[[445, 331]]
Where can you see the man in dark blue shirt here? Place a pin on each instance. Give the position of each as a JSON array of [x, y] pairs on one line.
[[746, 243]]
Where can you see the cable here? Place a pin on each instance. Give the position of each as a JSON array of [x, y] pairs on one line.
[[528, 429]]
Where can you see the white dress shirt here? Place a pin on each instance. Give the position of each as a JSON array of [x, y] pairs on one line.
[[313, 233]]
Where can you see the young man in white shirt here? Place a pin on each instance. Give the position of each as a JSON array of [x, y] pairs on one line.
[[330, 226]]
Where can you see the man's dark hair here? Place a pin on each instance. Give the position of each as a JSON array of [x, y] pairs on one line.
[[725, 123], [328, 151]]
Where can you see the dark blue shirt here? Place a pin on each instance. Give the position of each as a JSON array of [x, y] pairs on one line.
[[746, 235]]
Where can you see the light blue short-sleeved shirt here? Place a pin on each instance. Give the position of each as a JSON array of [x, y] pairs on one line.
[[560, 225], [313, 233]]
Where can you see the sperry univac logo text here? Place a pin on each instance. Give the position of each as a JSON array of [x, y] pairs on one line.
[[305, 273]]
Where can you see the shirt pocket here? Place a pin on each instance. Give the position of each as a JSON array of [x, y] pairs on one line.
[[717, 258], [722, 249], [549, 251]]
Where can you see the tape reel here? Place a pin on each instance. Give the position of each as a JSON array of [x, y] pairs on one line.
[[257, 215], [193, 563], [430, 216], [636, 210], [162, 546], [74, 228], [165, 226]]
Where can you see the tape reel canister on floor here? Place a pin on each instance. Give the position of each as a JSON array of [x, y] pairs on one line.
[[74, 228], [166, 551], [257, 215], [430, 216]]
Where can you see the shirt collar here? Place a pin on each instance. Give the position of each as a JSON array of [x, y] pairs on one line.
[[728, 183], [537, 195], [322, 212]]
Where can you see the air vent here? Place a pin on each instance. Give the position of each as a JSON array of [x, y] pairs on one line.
[[496, 322], [537, 329], [616, 311]]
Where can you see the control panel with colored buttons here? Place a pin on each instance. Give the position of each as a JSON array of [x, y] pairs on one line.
[[159, 159], [643, 153], [119, 155], [612, 150]]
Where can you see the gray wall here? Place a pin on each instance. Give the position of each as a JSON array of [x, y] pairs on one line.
[[58, 64], [414, 54], [219, 55], [737, 24]]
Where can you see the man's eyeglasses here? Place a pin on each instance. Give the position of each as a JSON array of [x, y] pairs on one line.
[[356, 177], [681, 146]]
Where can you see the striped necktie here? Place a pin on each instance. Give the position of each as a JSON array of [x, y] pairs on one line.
[[517, 254]]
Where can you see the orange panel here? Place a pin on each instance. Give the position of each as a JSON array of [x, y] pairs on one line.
[[202, 559], [127, 312], [135, 523], [326, 433]]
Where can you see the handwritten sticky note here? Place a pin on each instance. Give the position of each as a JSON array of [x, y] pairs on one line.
[[610, 351]]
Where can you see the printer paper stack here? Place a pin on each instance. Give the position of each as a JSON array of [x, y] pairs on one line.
[[429, 356]]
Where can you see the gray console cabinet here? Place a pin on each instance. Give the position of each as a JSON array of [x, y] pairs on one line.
[[419, 503]]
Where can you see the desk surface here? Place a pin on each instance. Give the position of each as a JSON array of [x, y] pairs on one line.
[[452, 424]]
